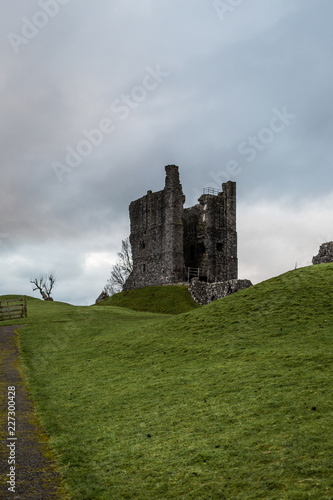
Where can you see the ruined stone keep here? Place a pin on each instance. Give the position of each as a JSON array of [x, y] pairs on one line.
[[325, 254], [171, 244]]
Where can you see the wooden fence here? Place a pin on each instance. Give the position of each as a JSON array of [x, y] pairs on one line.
[[13, 309]]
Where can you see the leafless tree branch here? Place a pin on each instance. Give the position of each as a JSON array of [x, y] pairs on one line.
[[121, 270], [45, 284]]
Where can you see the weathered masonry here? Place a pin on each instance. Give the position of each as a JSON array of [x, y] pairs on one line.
[[325, 254], [210, 238], [171, 244]]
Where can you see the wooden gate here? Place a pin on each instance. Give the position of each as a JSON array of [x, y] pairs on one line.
[[13, 308]]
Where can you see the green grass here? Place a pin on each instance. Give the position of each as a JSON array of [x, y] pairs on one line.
[[228, 401], [159, 299]]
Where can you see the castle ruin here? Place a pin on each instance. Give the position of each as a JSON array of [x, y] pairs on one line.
[[171, 244], [325, 254]]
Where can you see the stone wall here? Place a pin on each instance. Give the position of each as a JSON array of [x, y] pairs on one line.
[[325, 254], [157, 235], [204, 293], [210, 238]]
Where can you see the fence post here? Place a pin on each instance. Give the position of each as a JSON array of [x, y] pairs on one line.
[[24, 310]]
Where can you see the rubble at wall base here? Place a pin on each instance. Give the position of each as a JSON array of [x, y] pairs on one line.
[[204, 293]]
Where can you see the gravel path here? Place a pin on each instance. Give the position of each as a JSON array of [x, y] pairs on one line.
[[36, 475]]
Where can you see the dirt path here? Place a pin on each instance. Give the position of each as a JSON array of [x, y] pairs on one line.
[[36, 475]]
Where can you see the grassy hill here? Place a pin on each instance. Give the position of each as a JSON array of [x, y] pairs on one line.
[[231, 400], [159, 299]]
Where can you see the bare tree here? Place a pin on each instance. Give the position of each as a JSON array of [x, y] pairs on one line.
[[121, 270], [44, 283]]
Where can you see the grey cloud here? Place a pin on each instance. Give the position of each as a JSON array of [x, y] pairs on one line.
[[224, 81]]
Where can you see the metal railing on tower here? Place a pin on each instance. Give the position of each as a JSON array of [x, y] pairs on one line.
[[210, 190]]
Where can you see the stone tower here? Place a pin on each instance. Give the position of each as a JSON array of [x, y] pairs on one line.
[[157, 234], [171, 244], [210, 238]]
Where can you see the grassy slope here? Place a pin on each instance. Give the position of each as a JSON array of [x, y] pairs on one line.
[[166, 299], [231, 400]]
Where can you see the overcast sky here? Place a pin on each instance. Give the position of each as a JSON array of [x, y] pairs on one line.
[[97, 97]]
